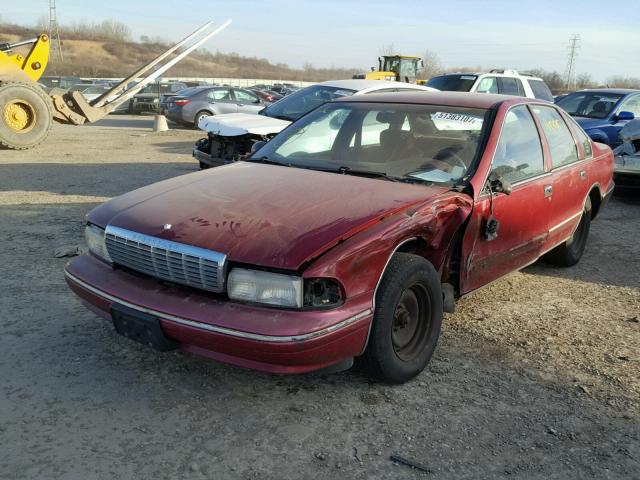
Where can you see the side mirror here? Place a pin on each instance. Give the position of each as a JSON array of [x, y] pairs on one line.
[[624, 115], [257, 146], [498, 184]]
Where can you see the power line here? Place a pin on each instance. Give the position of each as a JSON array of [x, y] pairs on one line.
[[570, 72], [54, 34]]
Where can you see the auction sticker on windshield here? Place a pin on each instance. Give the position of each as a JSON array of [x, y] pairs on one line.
[[456, 121]]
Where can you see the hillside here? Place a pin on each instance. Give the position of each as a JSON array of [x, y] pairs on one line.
[[86, 57]]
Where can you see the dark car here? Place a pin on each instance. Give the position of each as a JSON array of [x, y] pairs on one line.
[[602, 112], [267, 95], [190, 106], [348, 234], [58, 83], [148, 100]]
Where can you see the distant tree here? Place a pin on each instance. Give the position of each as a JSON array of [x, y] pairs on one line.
[[388, 49], [584, 80], [619, 81], [42, 24], [554, 80], [432, 65]]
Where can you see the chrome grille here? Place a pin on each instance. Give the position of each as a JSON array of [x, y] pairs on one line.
[[166, 260]]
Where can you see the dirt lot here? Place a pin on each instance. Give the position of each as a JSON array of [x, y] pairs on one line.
[[536, 376]]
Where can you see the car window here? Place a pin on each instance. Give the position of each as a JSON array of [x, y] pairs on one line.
[[511, 86], [243, 96], [303, 101], [219, 95], [582, 137], [519, 151], [318, 136], [540, 90], [452, 83], [589, 104], [416, 143], [561, 143], [631, 105], [488, 85]]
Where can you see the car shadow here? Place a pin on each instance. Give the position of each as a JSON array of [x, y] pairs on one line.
[[607, 258], [176, 147]]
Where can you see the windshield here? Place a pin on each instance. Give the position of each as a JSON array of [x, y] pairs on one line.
[[164, 88], [453, 83], [414, 143], [589, 104], [295, 105]]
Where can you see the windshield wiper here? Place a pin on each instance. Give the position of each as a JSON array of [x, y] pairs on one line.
[[267, 160], [361, 173]]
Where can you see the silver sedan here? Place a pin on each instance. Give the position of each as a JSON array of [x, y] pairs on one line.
[[192, 104]]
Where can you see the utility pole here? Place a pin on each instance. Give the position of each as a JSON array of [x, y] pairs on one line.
[[54, 34], [570, 72]]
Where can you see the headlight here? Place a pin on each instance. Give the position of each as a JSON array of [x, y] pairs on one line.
[[265, 287], [95, 241]]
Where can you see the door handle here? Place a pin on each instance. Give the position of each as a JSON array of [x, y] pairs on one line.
[[548, 190], [583, 175]]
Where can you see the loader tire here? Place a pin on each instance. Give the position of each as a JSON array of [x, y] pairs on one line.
[[26, 115]]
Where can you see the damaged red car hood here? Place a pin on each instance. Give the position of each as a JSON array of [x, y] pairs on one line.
[[267, 215]]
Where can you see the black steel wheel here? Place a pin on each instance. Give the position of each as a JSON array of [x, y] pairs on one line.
[[570, 252], [407, 320]]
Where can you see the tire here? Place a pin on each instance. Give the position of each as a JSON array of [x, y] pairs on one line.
[[199, 115], [570, 252], [204, 166], [406, 321], [26, 115]]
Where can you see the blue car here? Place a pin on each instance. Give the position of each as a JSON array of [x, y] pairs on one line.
[[602, 112]]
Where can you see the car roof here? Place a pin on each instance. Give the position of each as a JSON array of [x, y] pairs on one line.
[[620, 91], [521, 76], [458, 99], [358, 85]]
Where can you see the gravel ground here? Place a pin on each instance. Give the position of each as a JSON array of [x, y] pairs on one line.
[[536, 376]]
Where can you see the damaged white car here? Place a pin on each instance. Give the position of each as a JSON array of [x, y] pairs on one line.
[[626, 171], [231, 136]]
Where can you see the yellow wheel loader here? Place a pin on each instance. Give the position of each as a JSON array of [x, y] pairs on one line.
[[401, 68], [27, 112]]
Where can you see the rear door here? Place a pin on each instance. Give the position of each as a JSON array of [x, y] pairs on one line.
[[523, 216], [570, 182], [222, 100], [247, 102], [511, 86]]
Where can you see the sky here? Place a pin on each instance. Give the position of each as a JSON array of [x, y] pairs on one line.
[[512, 34]]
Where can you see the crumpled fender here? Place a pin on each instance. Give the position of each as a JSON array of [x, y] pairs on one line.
[[359, 261]]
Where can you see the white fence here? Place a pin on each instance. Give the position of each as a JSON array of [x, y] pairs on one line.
[[236, 82]]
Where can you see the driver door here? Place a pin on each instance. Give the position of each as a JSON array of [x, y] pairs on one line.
[[523, 215]]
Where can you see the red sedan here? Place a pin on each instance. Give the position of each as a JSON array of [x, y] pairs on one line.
[[348, 234]]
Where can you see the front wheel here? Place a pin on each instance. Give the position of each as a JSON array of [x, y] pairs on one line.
[[407, 320], [25, 115], [570, 252]]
